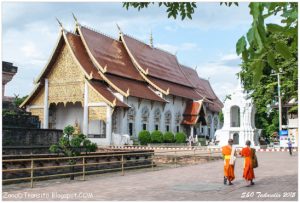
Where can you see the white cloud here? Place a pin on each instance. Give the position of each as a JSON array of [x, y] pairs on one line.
[[187, 46], [221, 74]]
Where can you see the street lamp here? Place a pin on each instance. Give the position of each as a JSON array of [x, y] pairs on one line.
[[279, 96]]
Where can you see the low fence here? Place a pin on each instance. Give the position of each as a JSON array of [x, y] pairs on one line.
[[30, 169]]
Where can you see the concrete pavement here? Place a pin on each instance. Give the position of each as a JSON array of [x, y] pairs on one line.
[[276, 179]]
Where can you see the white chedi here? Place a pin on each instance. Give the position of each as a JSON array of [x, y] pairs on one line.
[[239, 120]]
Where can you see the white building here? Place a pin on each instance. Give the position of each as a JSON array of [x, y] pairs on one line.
[[120, 86], [239, 120]]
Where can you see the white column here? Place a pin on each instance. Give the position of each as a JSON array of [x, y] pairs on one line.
[[46, 109], [108, 124], [85, 129], [192, 131]]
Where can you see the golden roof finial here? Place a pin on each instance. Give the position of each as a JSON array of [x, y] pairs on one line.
[[76, 21], [60, 24], [151, 39], [120, 31]]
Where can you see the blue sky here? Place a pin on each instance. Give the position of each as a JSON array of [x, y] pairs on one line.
[[29, 33]]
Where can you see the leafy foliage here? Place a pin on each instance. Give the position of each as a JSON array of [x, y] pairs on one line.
[[144, 137], [156, 137], [169, 137], [180, 137], [259, 50], [184, 9], [72, 145], [264, 91], [18, 101]]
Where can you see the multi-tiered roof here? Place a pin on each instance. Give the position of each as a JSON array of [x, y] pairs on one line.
[[131, 68]]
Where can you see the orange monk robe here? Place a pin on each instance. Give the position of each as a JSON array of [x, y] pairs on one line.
[[248, 169], [228, 169]]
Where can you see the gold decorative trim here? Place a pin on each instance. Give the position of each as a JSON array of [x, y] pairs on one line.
[[131, 56], [51, 57], [97, 113], [104, 99], [140, 69], [75, 58], [30, 95], [125, 94]]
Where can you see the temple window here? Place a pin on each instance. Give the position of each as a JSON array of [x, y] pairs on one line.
[[145, 117], [167, 128], [168, 119], [130, 127], [131, 121], [157, 116], [177, 121], [177, 129]]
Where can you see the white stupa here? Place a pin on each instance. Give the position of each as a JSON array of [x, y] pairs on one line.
[[239, 116]]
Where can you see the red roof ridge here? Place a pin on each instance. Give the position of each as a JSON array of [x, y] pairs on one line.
[[99, 32], [154, 47]]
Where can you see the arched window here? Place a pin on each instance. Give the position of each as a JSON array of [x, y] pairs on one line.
[[131, 121], [145, 117], [235, 116], [209, 121], [177, 121], [157, 116], [216, 121], [168, 120]]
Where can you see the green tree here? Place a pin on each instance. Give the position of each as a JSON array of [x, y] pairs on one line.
[[71, 145], [258, 47], [18, 101], [264, 90]]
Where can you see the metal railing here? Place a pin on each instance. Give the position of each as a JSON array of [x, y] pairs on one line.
[[83, 163]]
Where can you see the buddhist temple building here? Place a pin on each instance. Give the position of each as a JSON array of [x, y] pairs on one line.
[[112, 87]]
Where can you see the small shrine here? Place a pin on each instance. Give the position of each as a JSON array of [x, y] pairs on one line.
[[239, 120]]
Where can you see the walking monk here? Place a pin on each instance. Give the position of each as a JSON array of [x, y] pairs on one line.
[[229, 157], [247, 153]]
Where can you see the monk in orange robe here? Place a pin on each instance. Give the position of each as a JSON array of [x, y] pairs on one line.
[[228, 168], [247, 153]]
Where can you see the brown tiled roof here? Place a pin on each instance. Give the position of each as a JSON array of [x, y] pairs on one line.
[[110, 53], [204, 88], [159, 64], [192, 113], [137, 89], [81, 55], [176, 89], [103, 90]]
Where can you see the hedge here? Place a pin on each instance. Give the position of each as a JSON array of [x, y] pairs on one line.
[[180, 137], [144, 137], [169, 137], [156, 137]]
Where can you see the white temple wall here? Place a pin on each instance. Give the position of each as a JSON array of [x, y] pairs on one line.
[[67, 115]]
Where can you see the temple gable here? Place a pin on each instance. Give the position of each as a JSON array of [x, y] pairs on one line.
[[66, 79]]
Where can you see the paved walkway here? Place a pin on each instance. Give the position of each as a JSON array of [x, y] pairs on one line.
[[277, 179]]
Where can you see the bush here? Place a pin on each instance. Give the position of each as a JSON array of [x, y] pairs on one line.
[[180, 137], [144, 137], [169, 137], [156, 137]]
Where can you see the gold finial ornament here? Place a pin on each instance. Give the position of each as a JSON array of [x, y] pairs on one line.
[[60, 24], [151, 39], [120, 31], [75, 18]]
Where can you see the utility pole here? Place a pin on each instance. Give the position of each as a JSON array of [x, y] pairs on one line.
[[279, 97]]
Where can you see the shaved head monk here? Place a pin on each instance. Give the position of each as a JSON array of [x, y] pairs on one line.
[[248, 154], [229, 157]]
